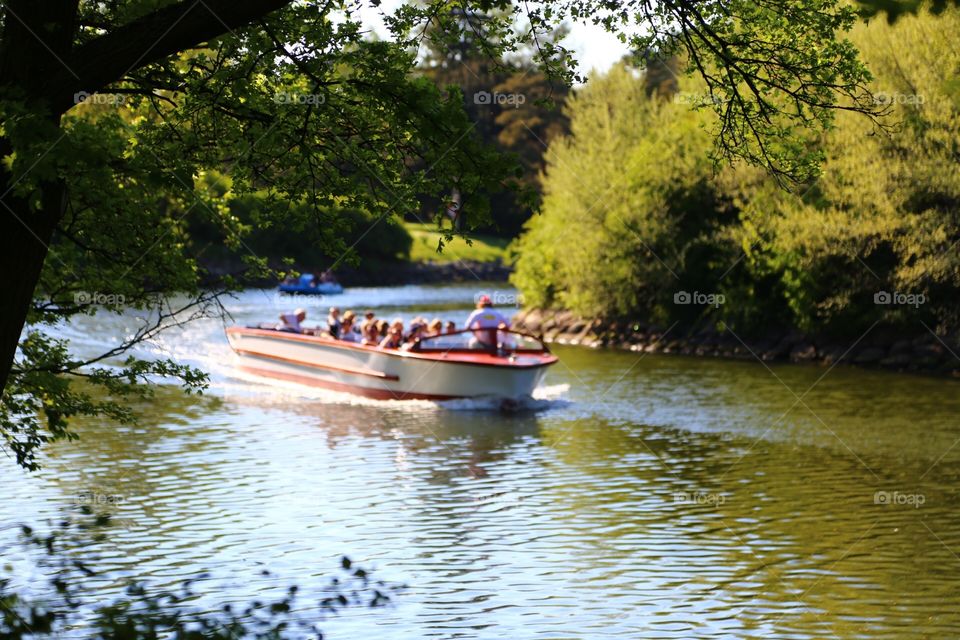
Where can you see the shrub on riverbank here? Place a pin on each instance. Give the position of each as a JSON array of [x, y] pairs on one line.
[[636, 223]]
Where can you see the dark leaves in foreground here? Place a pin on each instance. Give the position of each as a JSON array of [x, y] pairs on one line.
[[142, 614]]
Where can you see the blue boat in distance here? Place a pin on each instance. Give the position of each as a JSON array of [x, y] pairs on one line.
[[309, 284]]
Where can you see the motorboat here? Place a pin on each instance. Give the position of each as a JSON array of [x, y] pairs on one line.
[[310, 285], [461, 364]]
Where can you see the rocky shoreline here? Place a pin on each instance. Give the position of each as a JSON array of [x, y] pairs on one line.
[[883, 348]]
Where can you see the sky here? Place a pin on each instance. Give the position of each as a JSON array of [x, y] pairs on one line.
[[595, 48]]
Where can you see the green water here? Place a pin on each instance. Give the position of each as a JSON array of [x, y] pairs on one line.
[[638, 497]]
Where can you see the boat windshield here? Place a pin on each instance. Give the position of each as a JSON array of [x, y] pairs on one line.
[[491, 340]]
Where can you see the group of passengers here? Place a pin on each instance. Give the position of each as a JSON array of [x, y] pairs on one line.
[[372, 331]]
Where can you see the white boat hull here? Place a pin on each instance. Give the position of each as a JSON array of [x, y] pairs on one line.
[[382, 373]]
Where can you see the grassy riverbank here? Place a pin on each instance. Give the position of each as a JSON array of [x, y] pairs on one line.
[[482, 247]]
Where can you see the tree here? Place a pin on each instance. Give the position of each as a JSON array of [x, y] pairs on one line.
[[883, 217], [514, 106], [620, 222], [114, 112], [634, 214]]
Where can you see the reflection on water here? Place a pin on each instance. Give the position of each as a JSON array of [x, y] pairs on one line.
[[638, 497]]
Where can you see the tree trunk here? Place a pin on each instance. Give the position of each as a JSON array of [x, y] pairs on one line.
[[24, 238], [37, 38]]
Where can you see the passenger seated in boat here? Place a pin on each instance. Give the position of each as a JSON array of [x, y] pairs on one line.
[[355, 326], [393, 335], [368, 328], [292, 321], [368, 317], [418, 327], [485, 318], [348, 332], [333, 322], [435, 327], [450, 327]]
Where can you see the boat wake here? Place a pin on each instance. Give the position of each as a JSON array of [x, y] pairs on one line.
[[281, 393], [546, 397]]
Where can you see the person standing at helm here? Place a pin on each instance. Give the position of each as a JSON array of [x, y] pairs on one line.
[[486, 317], [291, 321]]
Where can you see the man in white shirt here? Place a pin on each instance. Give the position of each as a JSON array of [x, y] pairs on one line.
[[291, 321], [485, 317]]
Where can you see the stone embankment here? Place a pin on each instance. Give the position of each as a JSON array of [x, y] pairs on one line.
[[879, 348]]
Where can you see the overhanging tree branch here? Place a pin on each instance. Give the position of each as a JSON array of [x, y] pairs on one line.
[[155, 36]]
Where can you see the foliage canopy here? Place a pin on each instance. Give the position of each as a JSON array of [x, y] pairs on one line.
[[634, 212]]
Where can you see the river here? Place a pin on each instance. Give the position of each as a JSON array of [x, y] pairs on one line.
[[637, 496]]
